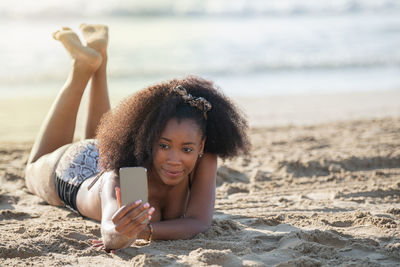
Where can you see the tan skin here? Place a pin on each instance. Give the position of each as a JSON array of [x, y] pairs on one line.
[[175, 155]]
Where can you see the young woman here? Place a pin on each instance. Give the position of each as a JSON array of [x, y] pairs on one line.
[[176, 129]]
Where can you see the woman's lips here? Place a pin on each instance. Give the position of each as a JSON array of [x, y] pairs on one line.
[[172, 173]]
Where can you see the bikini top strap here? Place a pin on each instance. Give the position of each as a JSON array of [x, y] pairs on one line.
[[95, 179]]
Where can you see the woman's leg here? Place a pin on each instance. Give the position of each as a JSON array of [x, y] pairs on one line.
[[96, 37], [58, 127]]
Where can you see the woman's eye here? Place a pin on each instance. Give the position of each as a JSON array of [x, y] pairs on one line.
[[187, 149], [164, 146]]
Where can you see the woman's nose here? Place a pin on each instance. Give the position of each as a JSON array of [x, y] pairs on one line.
[[173, 157]]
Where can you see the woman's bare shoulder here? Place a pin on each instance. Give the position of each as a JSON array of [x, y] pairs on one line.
[[207, 160], [207, 164]]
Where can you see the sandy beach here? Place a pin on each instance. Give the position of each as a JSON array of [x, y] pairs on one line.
[[321, 188]]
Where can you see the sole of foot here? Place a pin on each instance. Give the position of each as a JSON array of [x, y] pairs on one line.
[[83, 56], [96, 36]]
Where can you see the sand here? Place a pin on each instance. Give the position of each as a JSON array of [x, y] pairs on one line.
[[311, 194]]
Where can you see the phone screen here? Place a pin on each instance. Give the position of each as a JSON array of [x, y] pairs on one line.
[[133, 184]]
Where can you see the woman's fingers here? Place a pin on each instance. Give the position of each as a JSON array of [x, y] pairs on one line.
[[134, 228], [124, 210], [138, 211], [118, 195], [134, 231], [130, 216], [137, 224], [97, 243]]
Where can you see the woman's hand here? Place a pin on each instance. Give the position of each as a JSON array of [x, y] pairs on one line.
[[120, 226], [132, 218]]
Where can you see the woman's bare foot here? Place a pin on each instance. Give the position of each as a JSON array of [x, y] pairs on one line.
[[83, 56], [96, 36]]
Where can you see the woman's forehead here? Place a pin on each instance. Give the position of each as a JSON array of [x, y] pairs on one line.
[[182, 129]]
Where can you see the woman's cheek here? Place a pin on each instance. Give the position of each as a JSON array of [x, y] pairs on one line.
[[191, 161], [159, 155]]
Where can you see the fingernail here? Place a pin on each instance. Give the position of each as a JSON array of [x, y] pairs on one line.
[[138, 201], [149, 217], [151, 210], [146, 205]]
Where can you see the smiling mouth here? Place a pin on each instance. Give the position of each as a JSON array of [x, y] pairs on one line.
[[172, 173]]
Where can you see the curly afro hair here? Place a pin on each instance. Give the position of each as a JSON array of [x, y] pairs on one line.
[[127, 133]]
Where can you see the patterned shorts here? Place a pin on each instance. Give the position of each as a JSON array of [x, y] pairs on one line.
[[78, 163]]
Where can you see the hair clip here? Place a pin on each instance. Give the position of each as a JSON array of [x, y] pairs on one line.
[[198, 102]]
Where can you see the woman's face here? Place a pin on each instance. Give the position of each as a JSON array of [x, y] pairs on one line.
[[176, 152]]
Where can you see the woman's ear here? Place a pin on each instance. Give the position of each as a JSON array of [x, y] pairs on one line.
[[202, 146]]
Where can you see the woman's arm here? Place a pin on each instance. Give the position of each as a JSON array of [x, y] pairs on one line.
[[119, 225], [200, 208]]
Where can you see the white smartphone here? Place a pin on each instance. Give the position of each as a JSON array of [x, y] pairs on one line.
[[133, 184]]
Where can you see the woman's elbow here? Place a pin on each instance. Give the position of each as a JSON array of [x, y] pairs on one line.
[[201, 227], [205, 226], [114, 241]]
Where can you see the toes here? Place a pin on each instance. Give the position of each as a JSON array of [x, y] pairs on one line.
[[55, 35], [87, 28], [93, 28], [105, 28]]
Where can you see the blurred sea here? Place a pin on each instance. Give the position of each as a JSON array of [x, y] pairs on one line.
[[249, 48]]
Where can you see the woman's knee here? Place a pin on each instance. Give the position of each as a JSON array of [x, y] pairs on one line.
[[28, 178], [39, 179]]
